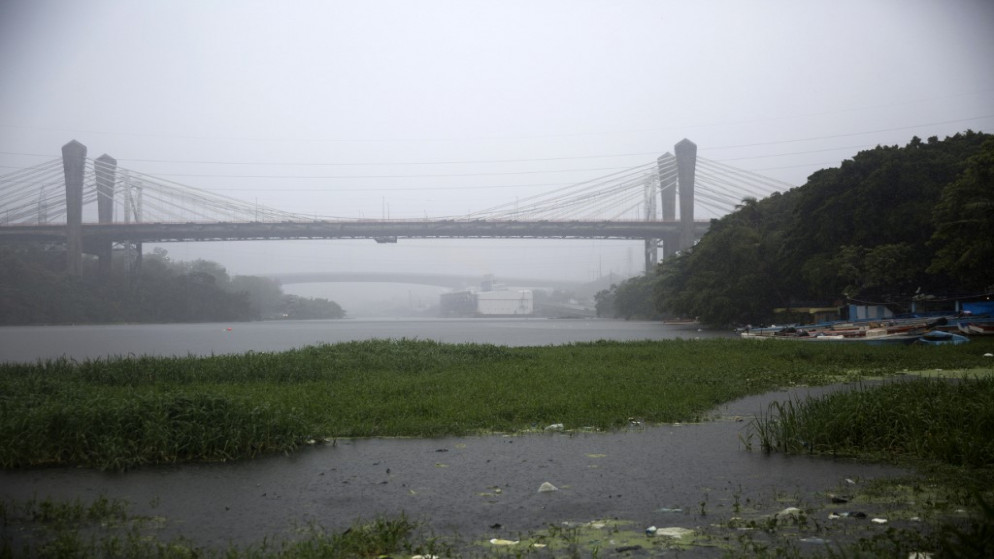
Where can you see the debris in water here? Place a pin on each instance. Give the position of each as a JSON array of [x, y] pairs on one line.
[[674, 532], [855, 514], [498, 541], [789, 513], [546, 487]]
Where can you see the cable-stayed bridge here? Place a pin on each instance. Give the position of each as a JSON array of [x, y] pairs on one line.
[[93, 205]]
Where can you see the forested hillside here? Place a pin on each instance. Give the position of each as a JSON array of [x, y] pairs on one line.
[[35, 290], [888, 225]]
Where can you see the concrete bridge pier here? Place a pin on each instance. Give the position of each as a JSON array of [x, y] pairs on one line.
[[651, 251], [666, 165], [686, 163], [104, 169], [73, 163]]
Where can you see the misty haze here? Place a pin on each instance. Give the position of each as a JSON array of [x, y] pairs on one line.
[[376, 110], [550, 278]]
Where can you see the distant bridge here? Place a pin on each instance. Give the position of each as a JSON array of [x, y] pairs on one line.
[[382, 231], [451, 281], [33, 208]]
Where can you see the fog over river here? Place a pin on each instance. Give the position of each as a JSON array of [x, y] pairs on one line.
[[31, 343]]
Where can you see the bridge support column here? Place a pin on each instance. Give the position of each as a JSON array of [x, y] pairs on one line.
[[666, 165], [651, 244], [686, 163], [104, 169], [73, 163], [651, 255], [667, 185], [671, 245]]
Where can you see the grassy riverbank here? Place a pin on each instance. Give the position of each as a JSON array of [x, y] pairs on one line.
[[128, 412]]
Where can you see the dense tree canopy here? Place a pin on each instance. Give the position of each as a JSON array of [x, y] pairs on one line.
[[887, 224], [964, 227]]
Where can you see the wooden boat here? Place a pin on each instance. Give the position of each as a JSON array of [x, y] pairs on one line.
[[888, 332], [859, 330], [976, 328]]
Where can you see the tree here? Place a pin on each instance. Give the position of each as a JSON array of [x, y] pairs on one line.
[[862, 230], [964, 225], [264, 294], [304, 308], [633, 298]]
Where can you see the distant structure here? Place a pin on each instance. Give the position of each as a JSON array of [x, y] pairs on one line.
[[491, 300], [150, 210]]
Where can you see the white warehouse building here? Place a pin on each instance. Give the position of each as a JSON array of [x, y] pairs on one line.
[[505, 302]]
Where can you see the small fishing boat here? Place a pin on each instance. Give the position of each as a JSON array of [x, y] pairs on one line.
[[941, 337], [976, 328], [890, 332]]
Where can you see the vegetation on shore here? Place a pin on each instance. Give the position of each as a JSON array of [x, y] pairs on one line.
[[34, 289], [888, 225]]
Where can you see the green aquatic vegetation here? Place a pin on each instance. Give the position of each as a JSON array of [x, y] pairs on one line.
[[934, 420], [130, 411]]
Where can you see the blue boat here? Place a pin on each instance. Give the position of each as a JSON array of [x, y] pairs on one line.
[[940, 337]]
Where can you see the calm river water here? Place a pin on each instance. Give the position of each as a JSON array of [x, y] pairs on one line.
[[31, 343]]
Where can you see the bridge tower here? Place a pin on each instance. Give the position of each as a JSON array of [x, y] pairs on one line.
[[73, 163], [104, 169], [651, 245], [666, 166], [686, 163]]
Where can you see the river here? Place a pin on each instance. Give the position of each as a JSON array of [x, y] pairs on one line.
[[26, 344], [470, 488]]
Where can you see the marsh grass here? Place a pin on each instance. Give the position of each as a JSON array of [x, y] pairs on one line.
[[127, 412], [105, 528], [924, 419], [942, 426]]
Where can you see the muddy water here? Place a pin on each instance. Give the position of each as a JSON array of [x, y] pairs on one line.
[[485, 486]]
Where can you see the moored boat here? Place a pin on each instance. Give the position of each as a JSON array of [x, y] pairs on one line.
[[889, 332], [976, 328]]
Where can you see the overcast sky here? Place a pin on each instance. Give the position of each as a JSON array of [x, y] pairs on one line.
[[435, 108]]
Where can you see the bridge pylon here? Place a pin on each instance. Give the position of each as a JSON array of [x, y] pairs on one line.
[[104, 170], [651, 245], [676, 175], [686, 164], [73, 163]]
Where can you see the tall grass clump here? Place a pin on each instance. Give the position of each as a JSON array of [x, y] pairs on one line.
[[126, 412], [936, 420], [118, 431], [106, 528]]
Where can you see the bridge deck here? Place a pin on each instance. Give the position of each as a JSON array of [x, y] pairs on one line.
[[383, 230]]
